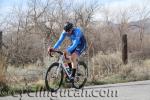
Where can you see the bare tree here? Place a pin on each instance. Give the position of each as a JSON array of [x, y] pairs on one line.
[[25, 34], [84, 12], [143, 16]]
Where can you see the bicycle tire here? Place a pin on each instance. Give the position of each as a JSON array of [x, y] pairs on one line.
[[48, 86], [81, 63]]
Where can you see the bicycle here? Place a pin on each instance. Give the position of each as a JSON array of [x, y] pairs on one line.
[[54, 82]]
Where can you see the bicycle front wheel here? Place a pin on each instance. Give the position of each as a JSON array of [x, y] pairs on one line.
[[54, 77]]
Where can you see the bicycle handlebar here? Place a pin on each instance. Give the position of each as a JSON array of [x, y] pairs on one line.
[[59, 52]]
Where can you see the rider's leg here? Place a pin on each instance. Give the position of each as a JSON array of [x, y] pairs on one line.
[[74, 57], [70, 65]]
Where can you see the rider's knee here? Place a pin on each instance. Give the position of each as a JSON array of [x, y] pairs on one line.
[[74, 57]]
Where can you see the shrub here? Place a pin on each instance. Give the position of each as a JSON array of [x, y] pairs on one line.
[[109, 69], [2, 69]]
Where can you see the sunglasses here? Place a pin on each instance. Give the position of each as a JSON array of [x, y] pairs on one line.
[[68, 31]]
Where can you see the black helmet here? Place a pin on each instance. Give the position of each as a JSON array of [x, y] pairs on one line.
[[68, 26]]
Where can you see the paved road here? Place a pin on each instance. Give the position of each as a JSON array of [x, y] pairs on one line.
[[123, 91]]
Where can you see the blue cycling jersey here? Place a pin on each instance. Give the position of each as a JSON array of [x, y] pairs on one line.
[[76, 37]]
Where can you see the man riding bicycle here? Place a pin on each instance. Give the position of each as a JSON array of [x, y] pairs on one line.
[[76, 48]]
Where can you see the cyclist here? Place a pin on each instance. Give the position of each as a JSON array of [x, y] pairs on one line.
[[77, 46]]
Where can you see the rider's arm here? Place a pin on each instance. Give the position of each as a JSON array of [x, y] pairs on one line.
[[73, 46], [75, 42], [60, 40]]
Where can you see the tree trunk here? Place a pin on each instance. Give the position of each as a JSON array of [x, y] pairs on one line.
[[124, 49]]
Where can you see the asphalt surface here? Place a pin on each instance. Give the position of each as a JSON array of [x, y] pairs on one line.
[[139, 90]]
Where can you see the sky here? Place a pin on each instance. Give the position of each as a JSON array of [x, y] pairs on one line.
[[113, 5], [5, 5]]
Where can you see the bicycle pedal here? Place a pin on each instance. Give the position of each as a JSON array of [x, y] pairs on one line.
[[67, 80]]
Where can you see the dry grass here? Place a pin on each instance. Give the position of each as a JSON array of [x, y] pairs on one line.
[[135, 71], [102, 69], [102, 65], [109, 69]]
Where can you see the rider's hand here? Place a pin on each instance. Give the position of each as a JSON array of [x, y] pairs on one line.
[[49, 50]]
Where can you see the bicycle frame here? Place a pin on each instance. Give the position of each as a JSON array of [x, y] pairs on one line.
[[61, 64]]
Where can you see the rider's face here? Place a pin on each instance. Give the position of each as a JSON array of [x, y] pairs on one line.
[[69, 32]]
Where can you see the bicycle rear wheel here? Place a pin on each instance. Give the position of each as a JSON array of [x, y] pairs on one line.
[[54, 77], [81, 75]]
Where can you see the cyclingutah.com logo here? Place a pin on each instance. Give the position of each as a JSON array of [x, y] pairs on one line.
[[62, 93]]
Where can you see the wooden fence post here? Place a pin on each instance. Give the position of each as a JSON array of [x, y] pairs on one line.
[[124, 49]]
